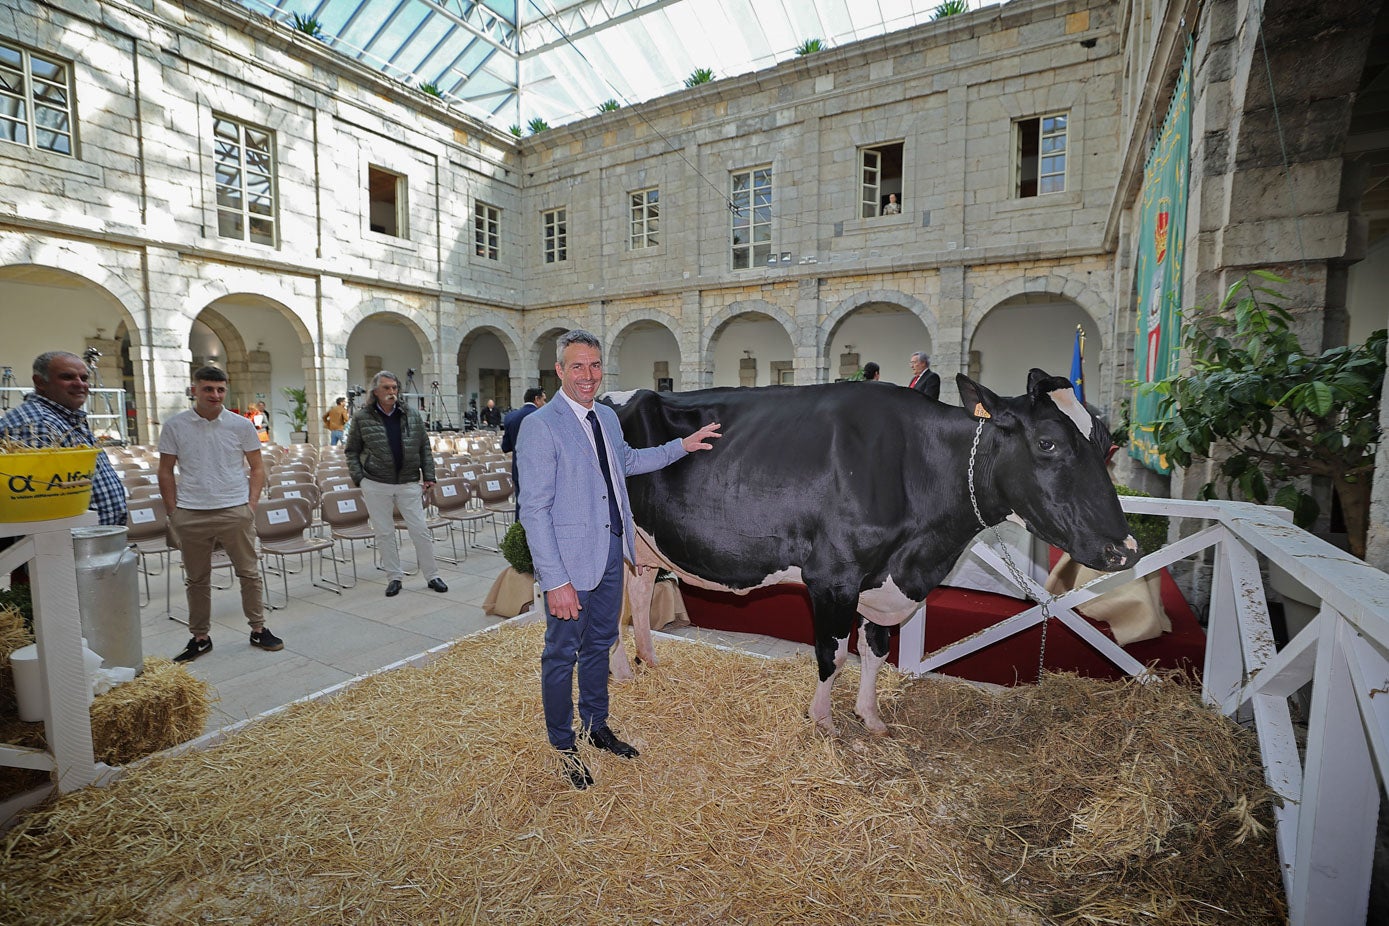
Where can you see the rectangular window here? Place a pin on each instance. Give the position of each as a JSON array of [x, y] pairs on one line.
[[880, 176], [35, 100], [555, 224], [1041, 151], [751, 232], [646, 219], [386, 202], [244, 171], [487, 231]]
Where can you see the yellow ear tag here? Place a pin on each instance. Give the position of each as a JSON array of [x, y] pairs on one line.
[[980, 412]]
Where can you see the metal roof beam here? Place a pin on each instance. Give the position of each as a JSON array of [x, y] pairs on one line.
[[574, 23]]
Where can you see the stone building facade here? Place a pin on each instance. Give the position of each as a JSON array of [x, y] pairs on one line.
[[229, 182]]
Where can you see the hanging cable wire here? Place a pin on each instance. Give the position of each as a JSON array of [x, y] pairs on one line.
[[1282, 144]]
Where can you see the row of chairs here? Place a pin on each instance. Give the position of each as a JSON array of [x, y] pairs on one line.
[[285, 526]]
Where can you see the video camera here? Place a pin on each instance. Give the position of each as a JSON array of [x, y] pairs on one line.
[[357, 392], [410, 371], [90, 354]]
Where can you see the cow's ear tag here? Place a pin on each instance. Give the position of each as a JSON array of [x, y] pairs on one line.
[[980, 411]]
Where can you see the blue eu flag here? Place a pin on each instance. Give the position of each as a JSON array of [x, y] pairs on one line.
[[1078, 364]]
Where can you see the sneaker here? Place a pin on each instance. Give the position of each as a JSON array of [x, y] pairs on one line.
[[266, 640], [194, 649]]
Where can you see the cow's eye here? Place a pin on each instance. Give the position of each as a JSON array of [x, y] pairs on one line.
[[1046, 445]]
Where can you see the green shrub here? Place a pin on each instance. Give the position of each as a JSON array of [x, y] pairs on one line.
[[515, 549], [1150, 530]]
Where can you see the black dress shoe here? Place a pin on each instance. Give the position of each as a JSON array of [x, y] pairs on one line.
[[579, 775], [603, 738], [438, 585], [392, 588]]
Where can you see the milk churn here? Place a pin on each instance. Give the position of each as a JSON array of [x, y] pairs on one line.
[[108, 594]]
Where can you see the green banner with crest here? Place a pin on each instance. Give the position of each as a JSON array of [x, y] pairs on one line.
[[1158, 276]]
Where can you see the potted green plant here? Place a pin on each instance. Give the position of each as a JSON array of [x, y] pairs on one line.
[[297, 413], [513, 591]]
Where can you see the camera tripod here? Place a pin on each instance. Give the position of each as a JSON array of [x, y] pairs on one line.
[[7, 381], [438, 409], [412, 389]]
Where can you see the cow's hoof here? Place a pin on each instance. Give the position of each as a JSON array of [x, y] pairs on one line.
[[621, 673], [874, 726]]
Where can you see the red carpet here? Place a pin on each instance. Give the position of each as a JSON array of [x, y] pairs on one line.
[[954, 613]]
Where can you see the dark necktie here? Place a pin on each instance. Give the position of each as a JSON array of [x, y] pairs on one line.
[[614, 513]]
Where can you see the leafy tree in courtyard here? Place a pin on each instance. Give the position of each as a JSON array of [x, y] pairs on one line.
[[1271, 413]]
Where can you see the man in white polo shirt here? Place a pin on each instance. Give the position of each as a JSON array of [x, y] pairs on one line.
[[212, 501]]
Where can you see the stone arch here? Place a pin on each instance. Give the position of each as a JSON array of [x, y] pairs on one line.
[[55, 257], [1057, 284], [728, 313], [415, 320], [664, 319], [226, 332], [837, 315], [296, 308], [505, 333], [251, 369], [509, 336], [623, 328]]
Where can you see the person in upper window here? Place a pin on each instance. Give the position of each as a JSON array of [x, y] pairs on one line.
[[891, 207]]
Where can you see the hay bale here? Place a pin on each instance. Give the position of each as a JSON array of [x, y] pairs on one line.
[[429, 795], [163, 706], [13, 635]]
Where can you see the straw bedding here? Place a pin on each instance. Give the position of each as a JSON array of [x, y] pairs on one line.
[[430, 796]]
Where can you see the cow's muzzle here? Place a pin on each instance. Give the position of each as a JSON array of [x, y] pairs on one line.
[[1120, 555]]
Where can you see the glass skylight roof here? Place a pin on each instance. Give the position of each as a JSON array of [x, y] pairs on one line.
[[511, 61]]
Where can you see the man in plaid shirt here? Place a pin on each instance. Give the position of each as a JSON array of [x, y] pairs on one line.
[[52, 416]]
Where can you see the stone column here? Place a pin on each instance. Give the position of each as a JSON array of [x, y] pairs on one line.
[[950, 353]]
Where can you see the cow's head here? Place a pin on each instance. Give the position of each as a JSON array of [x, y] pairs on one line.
[[1046, 461]]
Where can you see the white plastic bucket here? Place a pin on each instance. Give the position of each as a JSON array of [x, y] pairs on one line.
[[28, 684]]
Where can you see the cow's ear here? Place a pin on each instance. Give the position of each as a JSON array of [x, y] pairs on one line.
[[1040, 384], [980, 402]]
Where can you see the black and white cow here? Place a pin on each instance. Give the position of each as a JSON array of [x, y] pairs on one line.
[[861, 492]]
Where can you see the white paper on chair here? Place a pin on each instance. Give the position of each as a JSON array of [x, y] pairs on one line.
[[277, 516], [493, 485], [141, 515], [449, 491], [293, 495], [346, 505], [342, 488]]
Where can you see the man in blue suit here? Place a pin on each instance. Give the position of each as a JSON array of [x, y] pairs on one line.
[[511, 426], [574, 462]]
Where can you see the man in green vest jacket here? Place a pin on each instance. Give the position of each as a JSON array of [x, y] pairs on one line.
[[389, 458]]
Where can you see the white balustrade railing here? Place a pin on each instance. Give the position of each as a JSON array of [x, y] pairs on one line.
[[1325, 824]]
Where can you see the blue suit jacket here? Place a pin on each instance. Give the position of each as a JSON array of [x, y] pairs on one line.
[[564, 508], [511, 426]]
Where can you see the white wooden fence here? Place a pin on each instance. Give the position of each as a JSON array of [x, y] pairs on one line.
[[1330, 794]]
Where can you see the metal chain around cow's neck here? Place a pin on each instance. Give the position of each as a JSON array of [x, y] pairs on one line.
[[1008, 560]]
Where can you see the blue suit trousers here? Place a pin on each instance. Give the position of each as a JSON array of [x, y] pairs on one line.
[[585, 641]]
